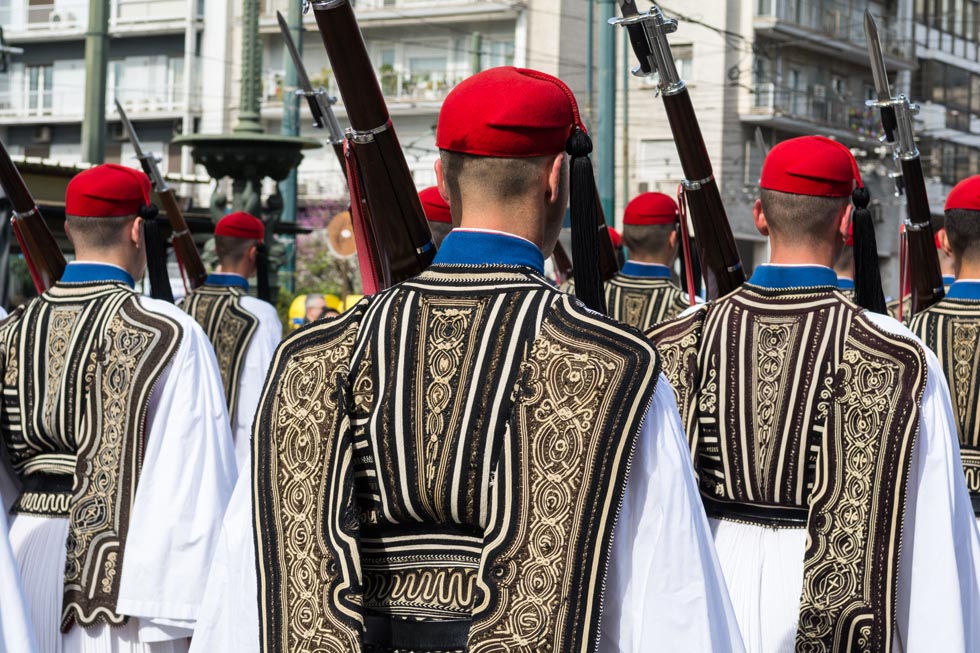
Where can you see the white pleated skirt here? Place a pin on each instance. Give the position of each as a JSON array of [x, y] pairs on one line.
[[39, 548]]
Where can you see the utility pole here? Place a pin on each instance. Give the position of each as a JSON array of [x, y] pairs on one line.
[[476, 51], [290, 107], [606, 146], [96, 60]]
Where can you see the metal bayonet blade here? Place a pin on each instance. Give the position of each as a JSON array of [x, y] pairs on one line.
[[130, 130], [287, 37], [629, 8], [878, 69]]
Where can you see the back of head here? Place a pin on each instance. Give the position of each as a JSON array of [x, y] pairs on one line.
[[502, 134], [649, 221], [963, 222], [101, 205], [806, 185], [234, 237]]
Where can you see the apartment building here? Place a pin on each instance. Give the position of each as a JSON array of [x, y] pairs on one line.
[[153, 69]]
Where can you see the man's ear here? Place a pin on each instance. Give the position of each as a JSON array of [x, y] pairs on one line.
[[253, 254], [444, 191], [845, 223], [673, 238], [943, 242], [553, 181], [759, 218], [136, 232]]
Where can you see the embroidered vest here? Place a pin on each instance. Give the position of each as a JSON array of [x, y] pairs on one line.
[[640, 302], [800, 410], [442, 468], [951, 328], [229, 327], [79, 366]]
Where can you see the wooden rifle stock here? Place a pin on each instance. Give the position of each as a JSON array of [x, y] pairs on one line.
[[721, 265], [925, 273], [185, 248], [44, 258], [392, 210], [608, 263]]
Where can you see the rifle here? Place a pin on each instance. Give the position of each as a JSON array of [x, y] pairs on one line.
[[608, 263], [44, 259], [392, 235], [896, 118], [191, 266], [721, 265], [321, 104]]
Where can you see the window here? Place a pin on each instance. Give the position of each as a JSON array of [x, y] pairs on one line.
[[498, 53], [40, 85]]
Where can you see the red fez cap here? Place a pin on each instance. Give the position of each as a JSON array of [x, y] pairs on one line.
[[650, 209], [107, 191], [240, 225], [965, 195], [436, 209], [811, 165], [508, 112], [617, 240]]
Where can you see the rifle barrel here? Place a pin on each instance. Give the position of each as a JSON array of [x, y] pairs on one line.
[[925, 273]]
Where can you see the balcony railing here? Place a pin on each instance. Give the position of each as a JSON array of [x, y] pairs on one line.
[[127, 12], [842, 22], [72, 15], [397, 87], [810, 106], [53, 104]]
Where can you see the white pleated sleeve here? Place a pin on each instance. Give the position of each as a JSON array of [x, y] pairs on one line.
[[186, 482], [261, 349], [16, 632], [665, 589]]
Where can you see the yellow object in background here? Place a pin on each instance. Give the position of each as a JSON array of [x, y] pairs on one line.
[[350, 300], [297, 312], [334, 302]]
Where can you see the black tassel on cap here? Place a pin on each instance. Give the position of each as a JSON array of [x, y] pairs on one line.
[[262, 274], [156, 257], [585, 218], [867, 276]]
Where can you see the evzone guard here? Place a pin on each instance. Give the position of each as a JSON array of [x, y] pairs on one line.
[[822, 437], [106, 397], [467, 433], [244, 330], [951, 327]]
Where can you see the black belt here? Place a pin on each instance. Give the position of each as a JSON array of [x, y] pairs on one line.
[[384, 632], [774, 516], [48, 483]]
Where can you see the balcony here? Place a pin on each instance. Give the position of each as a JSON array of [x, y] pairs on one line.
[[397, 13], [63, 107], [69, 18], [798, 111], [831, 28]]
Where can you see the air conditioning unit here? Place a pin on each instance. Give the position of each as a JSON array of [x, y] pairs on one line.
[[117, 132], [62, 19], [41, 134]]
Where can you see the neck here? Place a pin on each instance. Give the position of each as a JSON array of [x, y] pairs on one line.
[[110, 257], [802, 254], [967, 269], [242, 269], [656, 259], [530, 227]]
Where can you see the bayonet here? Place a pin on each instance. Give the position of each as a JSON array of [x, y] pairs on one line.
[[321, 104], [188, 256], [896, 119], [880, 74]]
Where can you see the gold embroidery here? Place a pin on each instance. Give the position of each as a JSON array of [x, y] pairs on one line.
[[964, 346], [61, 326], [771, 344], [447, 335]]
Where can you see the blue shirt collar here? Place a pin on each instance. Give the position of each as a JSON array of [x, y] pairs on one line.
[[227, 279], [793, 276], [948, 280], [966, 289], [845, 284], [89, 272], [485, 247], [646, 270]]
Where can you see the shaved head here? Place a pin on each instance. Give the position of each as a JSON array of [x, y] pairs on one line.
[[803, 218]]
